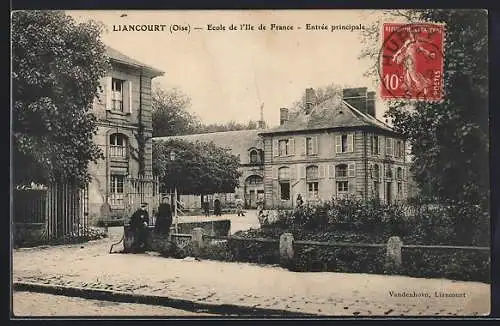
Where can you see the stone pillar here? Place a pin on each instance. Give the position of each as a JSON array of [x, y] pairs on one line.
[[128, 239], [286, 249], [393, 254], [197, 240]]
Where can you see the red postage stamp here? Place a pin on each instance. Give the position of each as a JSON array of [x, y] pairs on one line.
[[411, 61]]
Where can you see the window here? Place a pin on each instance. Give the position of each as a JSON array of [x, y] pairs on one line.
[[341, 171], [254, 180], [118, 145], [309, 146], [117, 94], [344, 143], [116, 194], [284, 173], [284, 182], [312, 173], [388, 147], [283, 147], [388, 172], [284, 190], [399, 174], [376, 172], [400, 190], [254, 156], [375, 145], [312, 190], [342, 186]]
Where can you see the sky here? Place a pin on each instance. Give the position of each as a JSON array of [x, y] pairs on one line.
[[228, 74]]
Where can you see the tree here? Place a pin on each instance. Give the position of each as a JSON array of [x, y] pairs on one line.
[[449, 140], [198, 168], [227, 126], [56, 67], [170, 115]]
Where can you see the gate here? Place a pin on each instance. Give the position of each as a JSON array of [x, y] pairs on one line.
[[59, 211]]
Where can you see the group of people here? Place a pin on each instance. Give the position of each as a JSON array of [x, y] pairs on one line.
[[139, 222], [218, 206]]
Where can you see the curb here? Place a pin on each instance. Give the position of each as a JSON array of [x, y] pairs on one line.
[[183, 304]]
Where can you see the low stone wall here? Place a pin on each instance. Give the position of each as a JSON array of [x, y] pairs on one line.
[[27, 233], [216, 228]]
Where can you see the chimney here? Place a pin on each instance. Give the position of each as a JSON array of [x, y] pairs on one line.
[[310, 99], [283, 116], [370, 103], [357, 97]]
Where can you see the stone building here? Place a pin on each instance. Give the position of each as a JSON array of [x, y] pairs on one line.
[[335, 148], [123, 178]]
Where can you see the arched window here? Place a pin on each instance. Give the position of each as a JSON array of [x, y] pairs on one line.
[[254, 179], [341, 170], [118, 145], [254, 156], [312, 172]]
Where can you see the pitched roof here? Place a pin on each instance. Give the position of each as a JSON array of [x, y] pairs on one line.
[[331, 114], [239, 141], [119, 57]]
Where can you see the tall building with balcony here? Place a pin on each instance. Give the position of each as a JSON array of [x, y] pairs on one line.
[[124, 177]]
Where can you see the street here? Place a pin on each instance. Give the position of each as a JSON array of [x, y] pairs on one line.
[[30, 304]]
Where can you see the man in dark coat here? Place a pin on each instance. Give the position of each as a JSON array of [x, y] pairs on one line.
[[217, 207], [164, 217], [139, 223]]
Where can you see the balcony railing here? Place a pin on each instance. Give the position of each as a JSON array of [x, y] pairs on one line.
[[118, 151]]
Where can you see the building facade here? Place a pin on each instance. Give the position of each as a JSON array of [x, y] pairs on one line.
[[123, 178], [332, 149]]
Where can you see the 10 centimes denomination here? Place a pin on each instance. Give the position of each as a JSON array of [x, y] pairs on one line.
[[411, 61]]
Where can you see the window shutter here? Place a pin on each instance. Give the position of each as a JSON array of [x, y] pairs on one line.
[[350, 143], [321, 171], [351, 170], [304, 149], [275, 172], [130, 104], [293, 172], [379, 140], [302, 172], [275, 147], [380, 172], [338, 144], [331, 171], [291, 145], [370, 170], [315, 145], [109, 92]]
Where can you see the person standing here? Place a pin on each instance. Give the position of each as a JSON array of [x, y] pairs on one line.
[[164, 217], [217, 207], [239, 206], [139, 223], [205, 206]]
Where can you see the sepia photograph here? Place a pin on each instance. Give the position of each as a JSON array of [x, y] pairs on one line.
[[250, 164]]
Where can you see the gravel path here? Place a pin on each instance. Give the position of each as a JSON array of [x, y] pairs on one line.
[[90, 265]]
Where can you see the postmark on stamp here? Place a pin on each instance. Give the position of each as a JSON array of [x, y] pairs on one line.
[[411, 61]]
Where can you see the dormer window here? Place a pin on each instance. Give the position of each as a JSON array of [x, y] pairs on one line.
[[254, 156]]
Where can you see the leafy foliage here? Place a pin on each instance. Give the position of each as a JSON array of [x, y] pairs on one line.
[[198, 168], [56, 67], [332, 92], [450, 139]]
